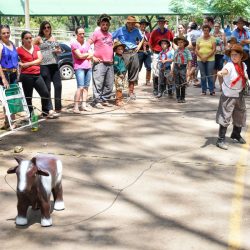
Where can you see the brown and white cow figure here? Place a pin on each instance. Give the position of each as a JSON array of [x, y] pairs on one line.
[[36, 179]]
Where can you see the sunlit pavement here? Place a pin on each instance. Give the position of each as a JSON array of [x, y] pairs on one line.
[[144, 176]]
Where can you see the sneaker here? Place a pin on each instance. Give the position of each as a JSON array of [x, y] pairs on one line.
[[155, 92], [98, 106], [179, 100], [212, 93], [183, 100], [159, 95], [132, 96], [238, 139], [221, 144], [53, 113]]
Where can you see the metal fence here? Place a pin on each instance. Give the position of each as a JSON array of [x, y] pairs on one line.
[[61, 35]]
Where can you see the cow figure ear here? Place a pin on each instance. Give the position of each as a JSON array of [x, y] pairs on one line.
[[12, 170], [18, 159], [42, 172]]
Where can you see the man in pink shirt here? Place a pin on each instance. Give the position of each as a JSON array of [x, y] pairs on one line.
[[103, 72]]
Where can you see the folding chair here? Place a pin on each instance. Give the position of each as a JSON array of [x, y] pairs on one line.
[[14, 102]]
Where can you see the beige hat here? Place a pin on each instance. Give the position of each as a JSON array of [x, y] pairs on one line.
[[238, 48], [131, 19], [117, 44]]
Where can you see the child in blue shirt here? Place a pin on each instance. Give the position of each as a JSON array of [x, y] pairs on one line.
[[164, 63]]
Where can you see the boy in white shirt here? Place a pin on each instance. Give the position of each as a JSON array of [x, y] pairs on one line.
[[232, 102]]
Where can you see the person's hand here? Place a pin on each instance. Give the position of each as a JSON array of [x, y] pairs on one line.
[[96, 60], [204, 59], [90, 55], [5, 83], [220, 73], [23, 65], [243, 42]]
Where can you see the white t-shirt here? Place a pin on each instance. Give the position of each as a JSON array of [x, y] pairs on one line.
[[231, 76]]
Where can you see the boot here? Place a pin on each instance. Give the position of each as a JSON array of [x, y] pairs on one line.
[[155, 85], [236, 135], [222, 137], [119, 97], [131, 87], [148, 77]]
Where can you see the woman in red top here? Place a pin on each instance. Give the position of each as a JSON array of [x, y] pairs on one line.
[[30, 59]]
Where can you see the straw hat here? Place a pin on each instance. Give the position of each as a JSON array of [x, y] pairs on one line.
[[186, 42], [238, 48], [117, 44], [131, 19]]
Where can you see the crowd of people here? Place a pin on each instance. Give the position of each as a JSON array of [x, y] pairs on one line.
[[115, 60]]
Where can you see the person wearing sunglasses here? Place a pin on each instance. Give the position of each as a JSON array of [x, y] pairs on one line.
[[49, 66]]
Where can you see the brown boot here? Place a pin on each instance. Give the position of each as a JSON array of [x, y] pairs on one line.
[[148, 77], [131, 87], [119, 97]]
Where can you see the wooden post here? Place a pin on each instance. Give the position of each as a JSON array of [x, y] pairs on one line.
[[27, 15]]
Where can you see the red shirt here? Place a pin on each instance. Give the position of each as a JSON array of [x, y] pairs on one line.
[[156, 36], [25, 56]]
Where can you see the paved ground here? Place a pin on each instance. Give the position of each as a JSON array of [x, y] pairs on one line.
[[145, 176]]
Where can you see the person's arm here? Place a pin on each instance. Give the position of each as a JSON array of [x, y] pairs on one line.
[[80, 55], [4, 80], [37, 40], [222, 72], [91, 41], [35, 62], [139, 45]]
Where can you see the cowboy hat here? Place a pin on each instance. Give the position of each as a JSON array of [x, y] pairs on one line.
[[186, 42], [131, 19], [232, 39], [144, 21], [117, 44], [164, 40], [240, 19], [161, 19], [238, 48]]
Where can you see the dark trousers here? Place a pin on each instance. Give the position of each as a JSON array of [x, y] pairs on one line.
[[51, 73], [180, 72], [145, 57], [132, 64], [30, 82]]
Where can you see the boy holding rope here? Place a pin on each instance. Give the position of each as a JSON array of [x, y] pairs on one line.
[[164, 63], [232, 102]]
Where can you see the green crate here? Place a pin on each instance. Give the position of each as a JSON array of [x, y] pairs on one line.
[[15, 105]]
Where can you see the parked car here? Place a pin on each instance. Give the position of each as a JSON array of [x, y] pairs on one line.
[[65, 62]]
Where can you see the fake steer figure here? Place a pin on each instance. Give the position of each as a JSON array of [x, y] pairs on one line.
[[36, 179]]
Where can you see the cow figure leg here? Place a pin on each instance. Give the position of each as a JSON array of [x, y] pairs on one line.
[[46, 220], [22, 208], [58, 197]]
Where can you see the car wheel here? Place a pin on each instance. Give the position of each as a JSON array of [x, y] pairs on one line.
[[66, 72]]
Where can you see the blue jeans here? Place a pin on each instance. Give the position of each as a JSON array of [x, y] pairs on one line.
[[83, 77], [146, 59], [207, 70]]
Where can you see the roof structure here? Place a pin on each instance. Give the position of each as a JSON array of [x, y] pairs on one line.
[[93, 7]]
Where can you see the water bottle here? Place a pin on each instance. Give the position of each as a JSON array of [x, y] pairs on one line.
[[34, 120]]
